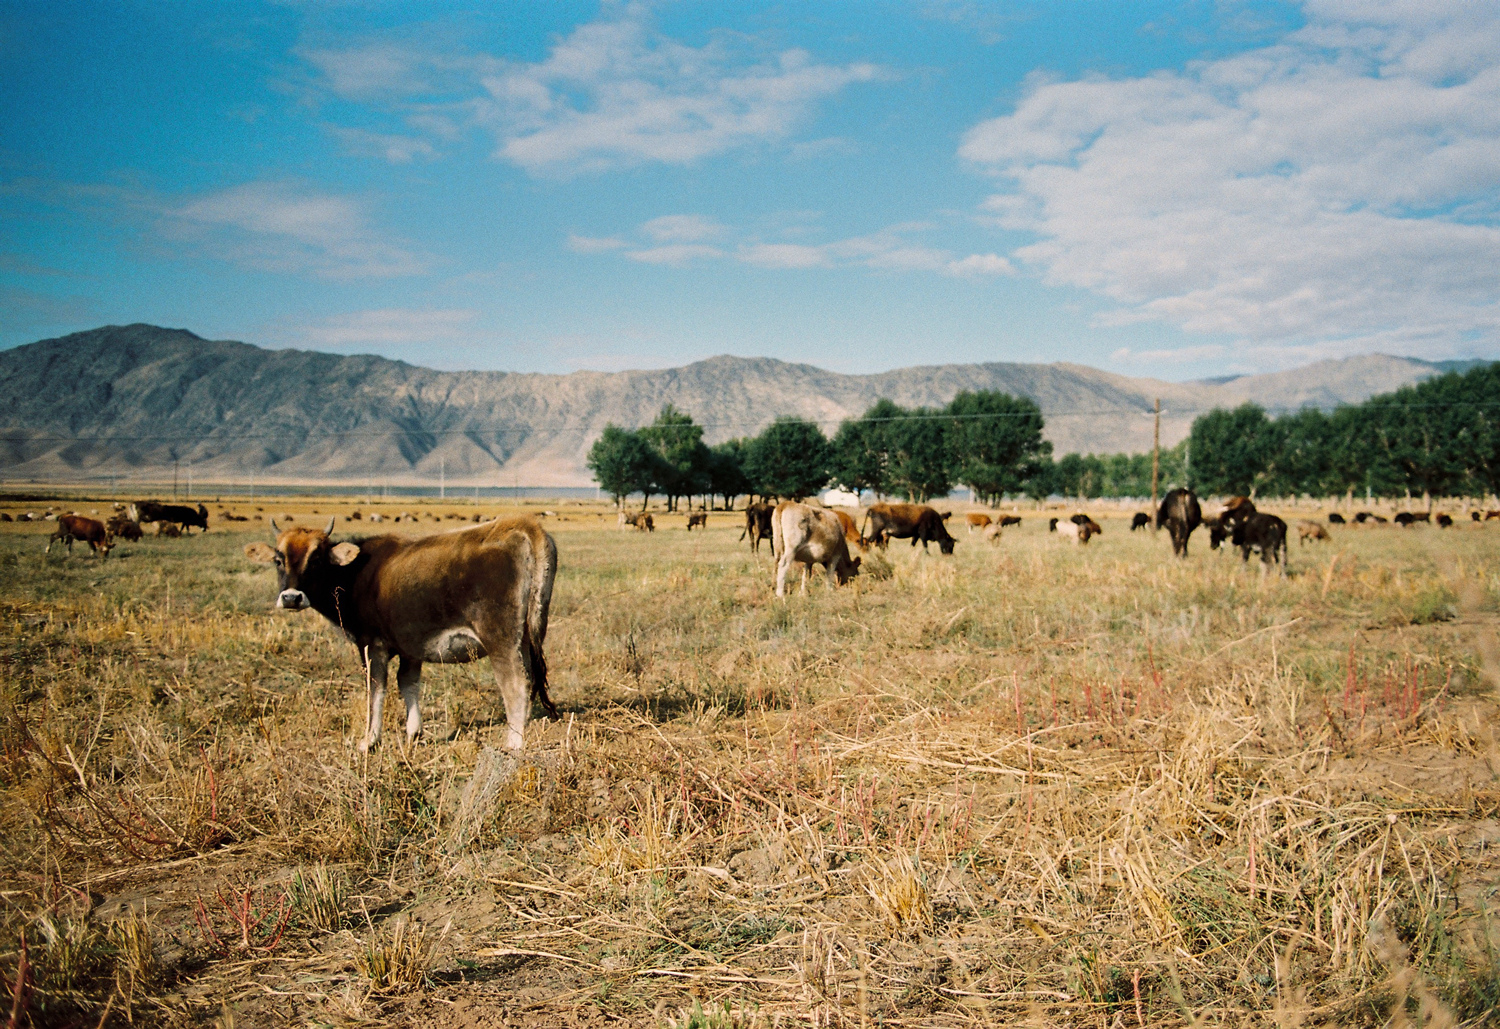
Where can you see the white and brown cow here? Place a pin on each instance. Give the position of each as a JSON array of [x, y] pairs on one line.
[[451, 598], [805, 535], [977, 520]]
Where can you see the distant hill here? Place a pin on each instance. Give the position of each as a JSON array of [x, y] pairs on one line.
[[123, 399]]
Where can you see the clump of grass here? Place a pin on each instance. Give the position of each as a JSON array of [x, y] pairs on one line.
[[136, 965], [73, 956], [898, 893], [319, 896], [722, 1016], [876, 566], [398, 962]]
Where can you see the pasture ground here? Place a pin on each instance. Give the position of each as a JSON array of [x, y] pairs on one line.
[[1029, 784]]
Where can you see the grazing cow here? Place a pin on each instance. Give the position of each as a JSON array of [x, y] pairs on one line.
[[1180, 514], [644, 523], [1334, 518], [124, 528], [1422, 516], [1379, 519], [851, 530], [1405, 519], [1006, 521], [1083, 519], [1264, 533], [805, 535], [1491, 514], [700, 519], [1077, 533], [1051, 524], [1474, 515], [151, 511], [77, 527], [992, 533], [1445, 521], [1311, 530], [454, 597], [977, 520], [757, 524], [916, 522], [1362, 517], [1218, 532], [1141, 521]]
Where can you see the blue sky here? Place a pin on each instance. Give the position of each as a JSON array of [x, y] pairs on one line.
[[1166, 189]]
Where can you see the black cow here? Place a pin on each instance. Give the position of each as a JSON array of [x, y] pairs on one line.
[[1083, 519], [1334, 518], [1051, 524], [1362, 517], [1405, 518], [1008, 520], [758, 524], [1475, 515], [1180, 515], [151, 511], [1445, 521], [1141, 521], [1264, 533], [1218, 532]]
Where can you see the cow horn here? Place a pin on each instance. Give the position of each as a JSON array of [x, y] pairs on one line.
[[329, 531], [275, 529]]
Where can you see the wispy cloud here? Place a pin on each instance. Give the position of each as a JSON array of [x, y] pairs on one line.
[[283, 227], [611, 94], [1181, 355], [680, 242], [1341, 185], [397, 149], [389, 326]]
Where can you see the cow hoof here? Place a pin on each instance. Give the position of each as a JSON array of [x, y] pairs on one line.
[[366, 743]]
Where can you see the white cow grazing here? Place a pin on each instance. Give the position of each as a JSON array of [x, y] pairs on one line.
[[1074, 533], [805, 535]]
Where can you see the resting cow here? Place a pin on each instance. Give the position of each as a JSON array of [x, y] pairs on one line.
[[450, 598], [1311, 530], [77, 527], [977, 520], [1179, 514], [805, 535], [1264, 533], [757, 524], [915, 522]]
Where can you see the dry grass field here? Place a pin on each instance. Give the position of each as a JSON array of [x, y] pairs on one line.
[[1029, 784]]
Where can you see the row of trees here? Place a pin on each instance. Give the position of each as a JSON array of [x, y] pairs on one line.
[[1440, 437], [990, 442]]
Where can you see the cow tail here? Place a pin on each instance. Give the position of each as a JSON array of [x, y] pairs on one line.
[[777, 543], [539, 602]]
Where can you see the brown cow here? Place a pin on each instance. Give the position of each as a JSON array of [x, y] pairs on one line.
[[1311, 530], [851, 530], [1006, 521], [977, 520], [907, 521], [805, 535], [450, 598], [699, 519], [77, 527], [119, 525], [642, 522], [757, 524], [171, 530]]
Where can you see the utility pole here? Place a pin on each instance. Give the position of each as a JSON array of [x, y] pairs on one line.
[[190, 481], [174, 478], [442, 478], [1155, 460]]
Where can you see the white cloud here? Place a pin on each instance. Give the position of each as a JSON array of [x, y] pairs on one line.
[[594, 244], [682, 228], [674, 253], [785, 255], [392, 148], [285, 228], [1181, 355], [389, 326], [979, 265], [1341, 185]]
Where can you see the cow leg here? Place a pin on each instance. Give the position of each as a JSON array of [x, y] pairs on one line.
[[806, 574], [515, 692], [782, 567], [376, 661], [409, 681]]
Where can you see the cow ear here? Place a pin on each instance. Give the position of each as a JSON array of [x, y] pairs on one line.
[[344, 553], [260, 553], [857, 560]]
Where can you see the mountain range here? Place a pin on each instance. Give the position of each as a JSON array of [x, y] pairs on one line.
[[122, 401]]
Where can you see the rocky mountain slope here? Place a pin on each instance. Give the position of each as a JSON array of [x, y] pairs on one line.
[[124, 400]]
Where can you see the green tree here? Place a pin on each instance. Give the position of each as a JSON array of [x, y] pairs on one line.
[[790, 459], [623, 463], [920, 467], [994, 442], [727, 476], [1234, 452], [685, 459], [861, 455]]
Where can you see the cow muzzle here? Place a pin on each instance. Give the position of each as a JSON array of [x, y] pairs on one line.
[[291, 600]]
